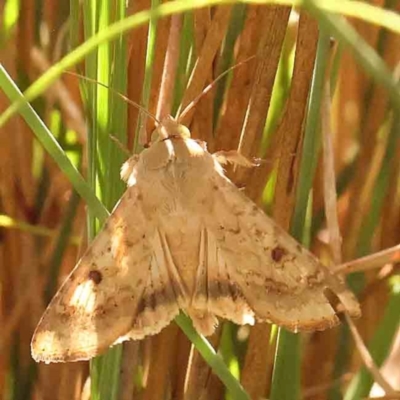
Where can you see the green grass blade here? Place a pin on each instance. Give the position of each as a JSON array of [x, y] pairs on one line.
[[105, 373], [186, 60], [287, 364], [357, 9], [366, 56], [9, 19], [61, 245], [51, 145], [213, 360], [236, 23], [312, 139], [108, 115], [288, 353], [89, 24], [148, 76], [37, 230]]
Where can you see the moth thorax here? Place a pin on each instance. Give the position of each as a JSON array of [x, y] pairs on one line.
[[169, 127]]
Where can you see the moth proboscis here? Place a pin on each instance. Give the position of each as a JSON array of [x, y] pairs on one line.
[[184, 237]]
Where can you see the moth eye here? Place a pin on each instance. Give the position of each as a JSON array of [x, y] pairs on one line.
[[183, 132], [95, 276], [277, 253]]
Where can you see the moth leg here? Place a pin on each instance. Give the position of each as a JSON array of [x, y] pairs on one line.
[[233, 157]]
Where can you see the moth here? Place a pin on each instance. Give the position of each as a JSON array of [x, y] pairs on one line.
[[184, 237]]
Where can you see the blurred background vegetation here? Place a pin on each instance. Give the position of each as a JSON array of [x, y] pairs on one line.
[[316, 99]]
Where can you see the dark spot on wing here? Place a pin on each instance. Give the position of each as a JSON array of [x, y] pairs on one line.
[[277, 253], [95, 276], [258, 233]]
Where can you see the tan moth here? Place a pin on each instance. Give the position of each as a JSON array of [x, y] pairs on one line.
[[183, 237]]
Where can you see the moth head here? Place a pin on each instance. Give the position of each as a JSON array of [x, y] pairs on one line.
[[170, 128]]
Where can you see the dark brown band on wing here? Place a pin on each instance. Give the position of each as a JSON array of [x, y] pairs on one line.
[[154, 299], [217, 289]]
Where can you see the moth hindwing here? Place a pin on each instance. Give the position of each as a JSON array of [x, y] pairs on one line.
[[183, 237]]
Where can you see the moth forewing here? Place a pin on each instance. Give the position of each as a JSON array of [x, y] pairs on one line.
[[96, 304], [280, 281], [183, 237]]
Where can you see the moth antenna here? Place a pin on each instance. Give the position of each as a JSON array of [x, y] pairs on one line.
[[115, 92], [121, 145], [208, 88]]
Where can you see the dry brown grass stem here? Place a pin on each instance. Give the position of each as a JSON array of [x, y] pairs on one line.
[[321, 389], [268, 55], [372, 261], [232, 114], [255, 372], [367, 359], [330, 198], [11, 324], [71, 110], [129, 366], [208, 50], [370, 175], [164, 104], [371, 144], [161, 369], [330, 195], [197, 383], [257, 364], [209, 87]]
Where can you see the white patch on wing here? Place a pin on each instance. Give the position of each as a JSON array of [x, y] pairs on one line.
[[84, 297]]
